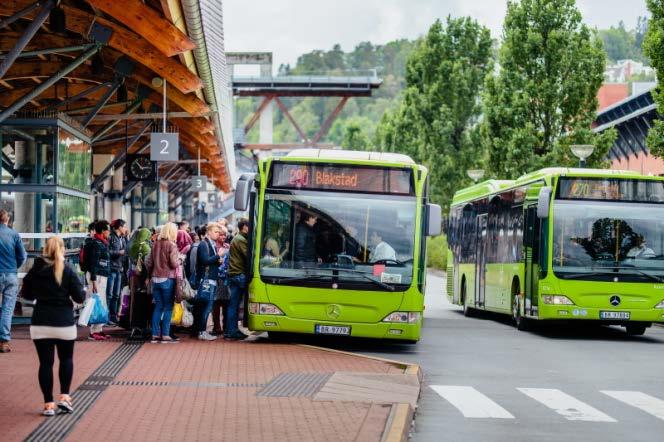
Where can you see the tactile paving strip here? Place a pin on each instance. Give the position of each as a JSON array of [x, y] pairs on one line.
[[56, 429], [295, 384]]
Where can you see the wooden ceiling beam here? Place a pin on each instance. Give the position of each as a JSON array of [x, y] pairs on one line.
[[147, 23], [123, 40]]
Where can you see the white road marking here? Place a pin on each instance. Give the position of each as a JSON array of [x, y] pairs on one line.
[[470, 402], [566, 405], [642, 401]]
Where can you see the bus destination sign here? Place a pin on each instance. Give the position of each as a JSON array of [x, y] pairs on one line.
[[611, 189], [348, 178]]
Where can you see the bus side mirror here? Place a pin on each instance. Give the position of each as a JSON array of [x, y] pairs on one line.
[[543, 202], [242, 192], [434, 220]]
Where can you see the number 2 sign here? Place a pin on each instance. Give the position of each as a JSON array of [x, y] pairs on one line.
[[164, 146]]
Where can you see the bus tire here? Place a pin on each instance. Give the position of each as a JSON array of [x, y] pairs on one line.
[[635, 329], [467, 310], [520, 322]]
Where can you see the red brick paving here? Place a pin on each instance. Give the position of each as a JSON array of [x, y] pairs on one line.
[[192, 413], [22, 400]]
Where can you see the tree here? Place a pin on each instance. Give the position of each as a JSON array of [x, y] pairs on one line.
[[544, 97], [653, 46], [434, 121], [620, 44], [355, 137]]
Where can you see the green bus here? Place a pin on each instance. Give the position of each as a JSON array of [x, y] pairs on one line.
[[338, 244], [560, 244]]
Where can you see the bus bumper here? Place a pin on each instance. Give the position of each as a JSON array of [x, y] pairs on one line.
[[382, 330], [572, 312]]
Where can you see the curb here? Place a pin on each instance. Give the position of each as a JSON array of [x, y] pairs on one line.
[[401, 415]]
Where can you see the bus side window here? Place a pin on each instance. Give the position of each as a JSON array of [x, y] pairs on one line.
[[544, 246]]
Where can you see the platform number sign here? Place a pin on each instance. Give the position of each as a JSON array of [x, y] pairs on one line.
[[164, 146], [198, 183]]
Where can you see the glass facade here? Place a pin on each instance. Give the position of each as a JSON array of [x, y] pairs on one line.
[[74, 161]]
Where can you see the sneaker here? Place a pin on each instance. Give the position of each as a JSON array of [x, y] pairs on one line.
[[205, 336], [65, 404], [5, 347], [49, 409], [96, 337], [237, 336], [169, 340], [216, 333], [156, 340], [105, 336], [175, 337]]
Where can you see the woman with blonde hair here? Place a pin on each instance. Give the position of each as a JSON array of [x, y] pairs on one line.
[[54, 284], [162, 265]]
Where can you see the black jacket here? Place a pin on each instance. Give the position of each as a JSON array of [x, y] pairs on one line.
[[207, 258], [305, 243], [97, 259], [117, 244], [54, 302]]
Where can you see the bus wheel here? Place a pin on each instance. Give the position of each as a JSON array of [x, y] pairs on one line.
[[635, 330], [467, 310], [520, 322]]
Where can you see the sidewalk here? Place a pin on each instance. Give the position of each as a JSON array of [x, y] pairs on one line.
[[219, 390]]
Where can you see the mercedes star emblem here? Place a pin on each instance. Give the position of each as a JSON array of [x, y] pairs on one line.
[[615, 300]]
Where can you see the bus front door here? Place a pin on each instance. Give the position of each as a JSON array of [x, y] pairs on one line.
[[480, 254], [531, 257]]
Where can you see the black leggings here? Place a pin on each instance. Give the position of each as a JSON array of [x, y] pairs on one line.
[[46, 352]]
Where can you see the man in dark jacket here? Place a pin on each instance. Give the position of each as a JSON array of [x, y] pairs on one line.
[[207, 269], [98, 264], [117, 248], [237, 278], [305, 241]]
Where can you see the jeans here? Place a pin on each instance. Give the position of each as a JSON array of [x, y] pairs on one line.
[[238, 285], [163, 294], [9, 291], [113, 287], [203, 305]]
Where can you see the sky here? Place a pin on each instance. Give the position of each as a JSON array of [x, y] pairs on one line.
[[289, 28]]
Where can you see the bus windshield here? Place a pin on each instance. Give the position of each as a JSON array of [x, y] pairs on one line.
[[608, 239], [353, 240]]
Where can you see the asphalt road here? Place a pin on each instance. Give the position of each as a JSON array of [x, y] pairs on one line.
[[486, 381]]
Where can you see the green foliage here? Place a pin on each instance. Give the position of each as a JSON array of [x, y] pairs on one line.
[[653, 46], [544, 97], [437, 252], [354, 135], [434, 123], [622, 44]]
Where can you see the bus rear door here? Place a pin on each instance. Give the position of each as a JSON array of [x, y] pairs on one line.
[[480, 253]]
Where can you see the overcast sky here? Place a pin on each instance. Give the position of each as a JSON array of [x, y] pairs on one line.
[[289, 28]]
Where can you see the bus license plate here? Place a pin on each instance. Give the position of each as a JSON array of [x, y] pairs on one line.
[[613, 315], [332, 330]]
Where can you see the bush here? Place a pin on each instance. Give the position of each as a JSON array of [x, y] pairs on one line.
[[437, 252]]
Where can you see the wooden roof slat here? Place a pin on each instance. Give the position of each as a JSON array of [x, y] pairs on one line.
[[125, 41], [147, 23]]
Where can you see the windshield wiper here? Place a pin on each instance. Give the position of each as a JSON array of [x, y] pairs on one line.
[[365, 275], [279, 280], [630, 267]]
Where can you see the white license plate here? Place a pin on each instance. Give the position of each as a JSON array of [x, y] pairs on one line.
[[332, 330], [613, 315]]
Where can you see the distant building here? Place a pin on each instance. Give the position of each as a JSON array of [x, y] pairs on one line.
[[611, 93], [624, 70]]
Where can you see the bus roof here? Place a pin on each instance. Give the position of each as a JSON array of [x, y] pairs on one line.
[[336, 154], [490, 187]]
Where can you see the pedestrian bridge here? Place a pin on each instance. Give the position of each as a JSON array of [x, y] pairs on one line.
[[306, 86]]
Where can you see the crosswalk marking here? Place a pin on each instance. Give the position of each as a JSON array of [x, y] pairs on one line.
[[642, 401], [470, 402], [566, 405]]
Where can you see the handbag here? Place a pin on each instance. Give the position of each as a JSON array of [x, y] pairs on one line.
[[187, 316], [86, 311], [99, 312], [223, 291], [125, 298], [176, 316]]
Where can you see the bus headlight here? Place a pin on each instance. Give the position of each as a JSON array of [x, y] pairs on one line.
[[661, 304], [556, 300], [403, 317], [256, 308]]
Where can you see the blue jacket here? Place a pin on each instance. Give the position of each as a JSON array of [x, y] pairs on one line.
[[12, 252]]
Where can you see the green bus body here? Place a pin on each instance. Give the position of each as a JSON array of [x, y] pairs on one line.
[[503, 257], [358, 306]]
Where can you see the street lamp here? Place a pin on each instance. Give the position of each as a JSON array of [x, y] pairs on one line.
[[475, 174], [582, 151]]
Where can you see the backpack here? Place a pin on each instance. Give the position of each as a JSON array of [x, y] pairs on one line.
[[224, 266], [81, 256], [190, 265]]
